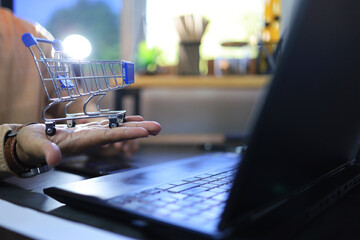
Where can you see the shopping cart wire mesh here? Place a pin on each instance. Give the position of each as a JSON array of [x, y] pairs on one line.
[[67, 80]]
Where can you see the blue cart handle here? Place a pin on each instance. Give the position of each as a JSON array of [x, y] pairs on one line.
[[29, 40]]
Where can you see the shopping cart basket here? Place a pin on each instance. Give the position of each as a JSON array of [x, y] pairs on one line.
[[66, 80]]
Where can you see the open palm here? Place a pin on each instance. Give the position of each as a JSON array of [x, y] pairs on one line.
[[35, 147]]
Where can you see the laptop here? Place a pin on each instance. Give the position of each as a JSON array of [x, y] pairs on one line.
[[301, 156]]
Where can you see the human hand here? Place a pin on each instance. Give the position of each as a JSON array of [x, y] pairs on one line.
[[125, 148], [35, 147]]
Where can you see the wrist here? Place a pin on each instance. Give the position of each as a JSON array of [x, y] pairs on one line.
[[20, 167], [10, 152]]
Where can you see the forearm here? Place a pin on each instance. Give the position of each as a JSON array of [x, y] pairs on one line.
[[5, 171]]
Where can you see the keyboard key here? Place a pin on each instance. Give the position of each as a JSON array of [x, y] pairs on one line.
[[159, 204], [216, 177], [176, 183], [206, 194], [218, 183], [132, 205], [212, 203], [224, 175], [190, 211], [215, 172], [162, 212], [165, 186], [226, 187], [204, 175], [135, 195], [178, 196], [150, 191], [221, 197], [201, 182], [150, 198], [172, 207], [167, 199], [209, 215], [193, 199], [146, 208], [223, 181], [209, 185], [195, 190], [185, 204], [178, 216], [191, 179], [200, 207], [183, 187], [217, 190]]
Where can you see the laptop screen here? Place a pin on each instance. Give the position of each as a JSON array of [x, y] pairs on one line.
[[310, 119]]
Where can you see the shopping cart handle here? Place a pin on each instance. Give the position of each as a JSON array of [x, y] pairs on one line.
[[29, 40]]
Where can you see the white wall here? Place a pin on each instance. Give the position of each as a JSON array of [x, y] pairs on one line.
[[199, 110]]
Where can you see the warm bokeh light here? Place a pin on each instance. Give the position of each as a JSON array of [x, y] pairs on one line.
[[77, 46], [230, 21]]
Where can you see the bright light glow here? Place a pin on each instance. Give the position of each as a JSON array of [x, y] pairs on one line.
[[232, 20], [77, 46]]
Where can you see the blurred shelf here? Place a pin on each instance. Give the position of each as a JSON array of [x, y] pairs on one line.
[[170, 81], [174, 81], [234, 44]]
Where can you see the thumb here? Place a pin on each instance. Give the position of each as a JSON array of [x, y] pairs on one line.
[[33, 146], [38, 151], [51, 152]]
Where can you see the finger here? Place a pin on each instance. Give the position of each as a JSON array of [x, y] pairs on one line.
[[126, 150], [82, 139], [131, 147], [119, 145], [106, 146], [95, 123], [52, 153], [152, 127], [136, 118], [111, 135], [104, 122], [134, 146]]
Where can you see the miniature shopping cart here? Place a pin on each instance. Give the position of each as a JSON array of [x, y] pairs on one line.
[[67, 80]]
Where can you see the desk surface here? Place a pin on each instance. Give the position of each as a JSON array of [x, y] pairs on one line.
[[29, 192], [338, 222], [238, 81]]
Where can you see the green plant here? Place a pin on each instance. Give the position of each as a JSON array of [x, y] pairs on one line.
[[146, 58]]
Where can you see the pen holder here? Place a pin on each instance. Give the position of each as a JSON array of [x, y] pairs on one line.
[[189, 58]]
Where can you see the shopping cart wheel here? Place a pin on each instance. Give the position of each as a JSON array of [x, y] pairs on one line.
[[113, 122], [121, 118], [71, 123], [50, 128]]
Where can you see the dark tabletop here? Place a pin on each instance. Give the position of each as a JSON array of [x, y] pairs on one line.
[[340, 221]]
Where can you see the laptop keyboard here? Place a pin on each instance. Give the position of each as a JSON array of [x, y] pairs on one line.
[[197, 200]]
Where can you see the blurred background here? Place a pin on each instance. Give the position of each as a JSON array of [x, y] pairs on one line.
[[201, 65]]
